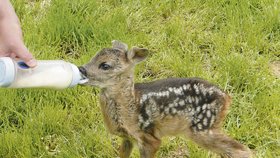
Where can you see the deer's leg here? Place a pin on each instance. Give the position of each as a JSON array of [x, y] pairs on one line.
[[126, 148], [148, 146], [220, 143]]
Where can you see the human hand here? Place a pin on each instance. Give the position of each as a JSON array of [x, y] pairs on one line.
[[11, 40]]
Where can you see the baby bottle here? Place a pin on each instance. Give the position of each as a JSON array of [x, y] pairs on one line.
[[48, 73]]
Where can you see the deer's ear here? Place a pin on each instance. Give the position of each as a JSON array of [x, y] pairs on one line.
[[119, 45], [136, 55]]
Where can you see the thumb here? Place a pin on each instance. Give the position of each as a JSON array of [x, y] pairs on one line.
[[23, 53]]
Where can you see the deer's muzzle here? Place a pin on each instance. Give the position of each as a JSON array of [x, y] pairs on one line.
[[83, 74]]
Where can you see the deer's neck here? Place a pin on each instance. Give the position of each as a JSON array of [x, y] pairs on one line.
[[122, 93], [122, 100]]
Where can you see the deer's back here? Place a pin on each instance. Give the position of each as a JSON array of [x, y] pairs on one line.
[[193, 99]]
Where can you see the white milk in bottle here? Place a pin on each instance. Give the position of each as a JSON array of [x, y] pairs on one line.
[[48, 73]]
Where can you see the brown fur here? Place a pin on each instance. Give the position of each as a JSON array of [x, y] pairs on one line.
[[223, 113], [147, 112]]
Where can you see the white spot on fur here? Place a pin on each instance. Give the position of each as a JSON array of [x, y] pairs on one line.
[[174, 111], [196, 89], [178, 91], [181, 89], [188, 86], [200, 116], [198, 108], [167, 93], [195, 121], [208, 113], [140, 119], [210, 92], [171, 105], [184, 87], [205, 121], [199, 126], [204, 106], [170, 89], [189, 109], [181, 102], [154, 108], [202, 89], [148, 111], [150, 94], [196, 100], [193, 99], [146, 124], [212, 120], [188, 99], [144, 98]]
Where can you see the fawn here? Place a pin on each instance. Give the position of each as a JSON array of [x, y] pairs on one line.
[[145, 112]]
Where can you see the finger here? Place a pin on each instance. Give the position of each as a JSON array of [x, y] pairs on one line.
[[13, 55], [23, 53]]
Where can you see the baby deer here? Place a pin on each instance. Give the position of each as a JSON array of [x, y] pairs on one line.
[[145, 112]]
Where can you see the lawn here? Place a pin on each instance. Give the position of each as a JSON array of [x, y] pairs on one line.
[[232, 43]]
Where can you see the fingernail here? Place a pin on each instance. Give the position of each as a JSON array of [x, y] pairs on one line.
[[32, 63]]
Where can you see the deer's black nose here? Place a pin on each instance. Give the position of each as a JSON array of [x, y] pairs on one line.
[[83, 71]]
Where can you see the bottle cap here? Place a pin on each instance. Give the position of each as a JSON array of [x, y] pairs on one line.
[[7, 71], [76, 76]]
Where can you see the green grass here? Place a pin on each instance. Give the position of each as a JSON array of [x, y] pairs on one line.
[[229, 42]]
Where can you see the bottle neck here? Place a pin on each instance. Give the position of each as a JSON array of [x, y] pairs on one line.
[[77, 77]]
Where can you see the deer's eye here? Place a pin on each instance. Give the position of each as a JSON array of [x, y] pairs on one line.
[[104, 66]]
